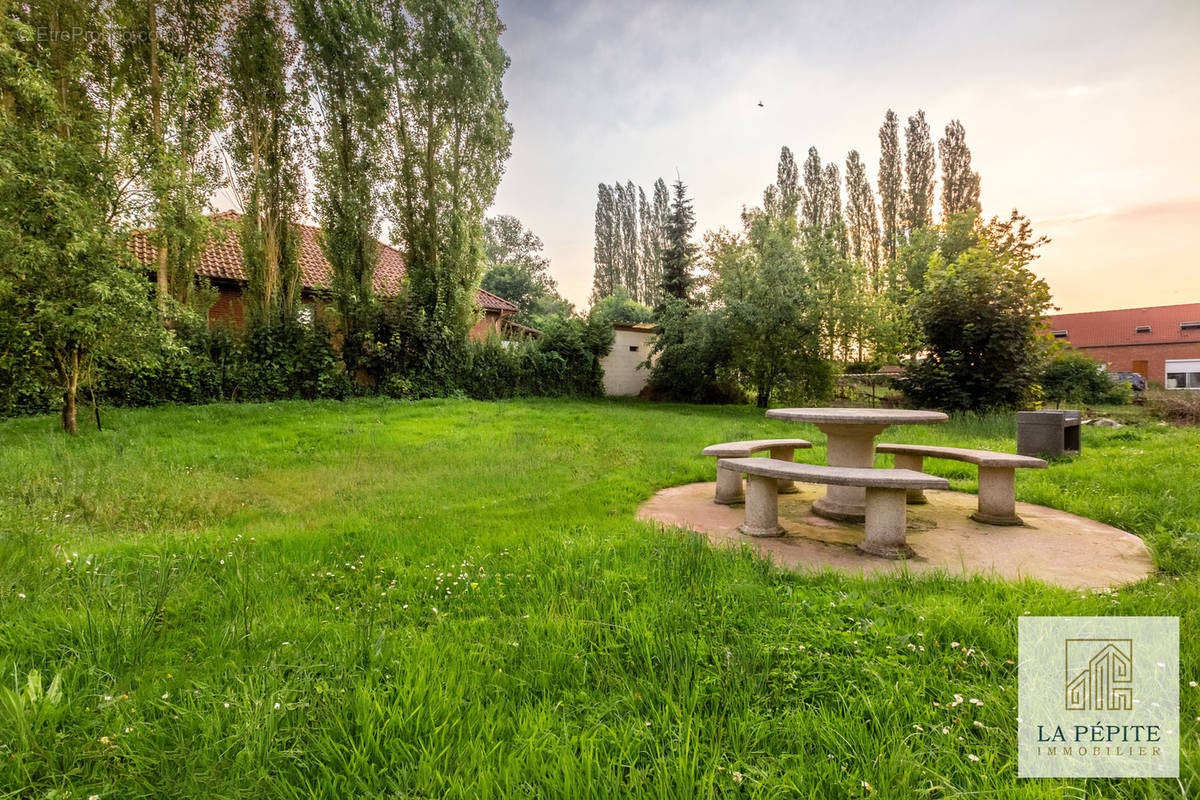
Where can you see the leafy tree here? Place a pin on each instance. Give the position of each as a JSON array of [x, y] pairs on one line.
[[508, 242], [620, 308], [919, 167], [170, 87], [891, 186], [812, 196], [66, 295], [960, 185], [762, 285], [680, 250], [688, 354], [862, 219], [265, 146], [341, 42], [979, 317], [606, 277], [448, 139], [782, 198], [518, 271]]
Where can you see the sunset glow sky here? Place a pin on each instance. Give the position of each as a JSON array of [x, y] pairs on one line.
[[1081, 115]]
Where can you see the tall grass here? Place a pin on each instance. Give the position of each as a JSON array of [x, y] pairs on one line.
[[452, 599]]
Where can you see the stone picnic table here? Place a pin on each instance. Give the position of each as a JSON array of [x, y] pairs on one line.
[[851, 436]]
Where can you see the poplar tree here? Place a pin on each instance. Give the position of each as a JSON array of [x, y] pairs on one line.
[[812, 194], [782, 198], [919, 166], [891, 185], [680, 251], [448, 139], [627, 202], [604, 278], [862, 220], [960, 185], [653, 267], [172, 83], [341, 40], [265, 147]]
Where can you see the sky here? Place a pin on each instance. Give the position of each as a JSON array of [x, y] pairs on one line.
[[1082, 115]]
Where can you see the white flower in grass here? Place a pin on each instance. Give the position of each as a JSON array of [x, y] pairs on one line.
[[978, 724], [21, 595], [737, 776], [946, 731], [867, 786], [972, 756], [1192, 684], [953, 644], [277, 706], [166, 695]]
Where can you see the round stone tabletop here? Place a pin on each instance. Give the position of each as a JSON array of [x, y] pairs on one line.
[[857, 416]]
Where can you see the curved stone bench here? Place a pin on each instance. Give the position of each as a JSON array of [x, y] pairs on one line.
[[886, 491], [997, 476], [729, 485]]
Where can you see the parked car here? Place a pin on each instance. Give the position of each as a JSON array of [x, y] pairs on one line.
[[1135, 381]]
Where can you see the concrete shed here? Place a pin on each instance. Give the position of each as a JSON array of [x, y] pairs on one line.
[[623, 375]]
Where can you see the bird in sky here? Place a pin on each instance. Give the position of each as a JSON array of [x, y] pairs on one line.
[[760, 103]]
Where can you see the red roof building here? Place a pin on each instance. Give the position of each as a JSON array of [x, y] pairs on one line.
[[221, 263], [1161, 343]]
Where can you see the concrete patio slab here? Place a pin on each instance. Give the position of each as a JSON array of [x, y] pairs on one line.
[[1053, 546]]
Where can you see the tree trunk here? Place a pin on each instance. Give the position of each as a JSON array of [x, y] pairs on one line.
[[70, 388], [763, 397]]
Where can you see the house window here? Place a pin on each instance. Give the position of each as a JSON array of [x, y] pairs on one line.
[[1142, 329], [304, 315], [633, 348], [1059, 334], [1189, 326], [1183, 374]]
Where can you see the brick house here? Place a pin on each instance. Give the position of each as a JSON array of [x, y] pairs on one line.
[[221, 264], [1161, 343]]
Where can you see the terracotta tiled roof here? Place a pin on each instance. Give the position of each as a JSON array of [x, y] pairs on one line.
[[1154, 325], [222, 260]]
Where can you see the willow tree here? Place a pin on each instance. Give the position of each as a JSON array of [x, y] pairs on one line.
[[265, 145], [342, 41], [66, 298], [449, 138]]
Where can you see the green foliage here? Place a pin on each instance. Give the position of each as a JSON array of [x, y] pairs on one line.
[[679, 251], [766, 293], [66, 294], [265, 111], [979, 318], [688, 356], [519, 272], [450, 138], [620, 309], [342, 57], [1075, 378]]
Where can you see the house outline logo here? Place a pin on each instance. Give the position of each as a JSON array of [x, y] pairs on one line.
[[1098, 674]]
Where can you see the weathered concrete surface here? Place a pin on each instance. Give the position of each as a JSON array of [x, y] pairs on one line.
[[984, 458], [749, 448], [835, 476], [858, 416], [1053, 546]]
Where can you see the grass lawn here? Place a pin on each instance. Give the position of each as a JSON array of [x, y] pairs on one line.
[[452, 599]]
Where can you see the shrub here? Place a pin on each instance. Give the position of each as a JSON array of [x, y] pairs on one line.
[[1075, 378], [689, 352]]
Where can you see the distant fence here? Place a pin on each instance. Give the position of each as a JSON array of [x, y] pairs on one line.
[[873, 388]]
